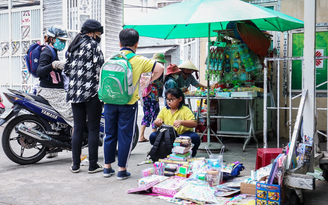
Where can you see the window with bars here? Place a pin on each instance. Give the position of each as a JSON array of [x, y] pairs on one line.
[[78, 11]]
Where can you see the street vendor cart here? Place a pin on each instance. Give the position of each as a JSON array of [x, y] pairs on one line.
[[203, 18], [200, 18]]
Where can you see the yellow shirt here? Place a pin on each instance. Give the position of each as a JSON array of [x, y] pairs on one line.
[[184, 113], [139, 65]]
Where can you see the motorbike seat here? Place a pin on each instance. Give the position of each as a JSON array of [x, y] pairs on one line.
[[38, 98]]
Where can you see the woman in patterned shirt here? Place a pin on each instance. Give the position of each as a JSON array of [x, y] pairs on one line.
[[150, 98], [84, 60]]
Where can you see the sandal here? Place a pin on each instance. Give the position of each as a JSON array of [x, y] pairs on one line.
[[145, 140]]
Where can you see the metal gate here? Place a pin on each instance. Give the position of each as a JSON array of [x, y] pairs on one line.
[[291, 96], [20, 27], [23, 26]]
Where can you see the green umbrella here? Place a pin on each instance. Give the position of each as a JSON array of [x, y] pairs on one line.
[[190, 19], [199, 18]]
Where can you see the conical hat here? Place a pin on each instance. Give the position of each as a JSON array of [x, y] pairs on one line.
[[188, 65]]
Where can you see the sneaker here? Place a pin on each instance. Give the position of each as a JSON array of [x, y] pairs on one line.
[[121, 175], [74, 168], [108, 172], [92, 170]]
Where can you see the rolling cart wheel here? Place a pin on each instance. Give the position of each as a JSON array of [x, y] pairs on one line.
[[324, 168], [294, 199]]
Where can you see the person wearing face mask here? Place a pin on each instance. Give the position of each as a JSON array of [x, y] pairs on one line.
[[186, 78], [49, 72], [84, 61]]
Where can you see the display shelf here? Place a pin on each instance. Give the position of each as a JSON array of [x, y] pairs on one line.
[[234, 134], [220, 98]]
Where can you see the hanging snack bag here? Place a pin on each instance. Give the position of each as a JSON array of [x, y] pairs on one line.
[[227, 55], [246, 58]]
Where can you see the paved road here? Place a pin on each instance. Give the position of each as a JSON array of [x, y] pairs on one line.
[[51, 182]]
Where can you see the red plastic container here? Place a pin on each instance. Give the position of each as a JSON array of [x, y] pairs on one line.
[[264, 156]]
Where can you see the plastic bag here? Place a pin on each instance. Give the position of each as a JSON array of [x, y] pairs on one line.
[[145, 84]]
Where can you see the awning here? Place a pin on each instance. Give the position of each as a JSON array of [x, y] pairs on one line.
[[154, 49]]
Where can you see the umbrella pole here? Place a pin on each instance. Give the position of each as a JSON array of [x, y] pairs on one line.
[[208, 88]]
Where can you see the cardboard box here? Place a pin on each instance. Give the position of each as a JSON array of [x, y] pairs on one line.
[[223, 94], [268, 194], [247, 188], [244, 94]]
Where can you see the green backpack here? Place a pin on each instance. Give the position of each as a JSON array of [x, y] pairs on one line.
[[115, 82]]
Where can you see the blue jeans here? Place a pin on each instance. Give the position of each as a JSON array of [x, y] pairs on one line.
[[120, 128], [193, 136]]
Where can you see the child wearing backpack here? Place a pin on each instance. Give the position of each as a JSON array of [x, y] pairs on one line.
[[49, 71], [176, 114], [121, 119]]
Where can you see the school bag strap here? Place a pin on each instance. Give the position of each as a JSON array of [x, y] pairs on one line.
[[122, 55], [167, 138], [53, 53], [53, 56], [155, 146], [130, 55]]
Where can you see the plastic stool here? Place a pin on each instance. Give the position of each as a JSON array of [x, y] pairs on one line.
[[265, 155]]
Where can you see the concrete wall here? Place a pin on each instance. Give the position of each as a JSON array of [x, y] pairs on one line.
[[295, 8], [174, 54], [134, 9]]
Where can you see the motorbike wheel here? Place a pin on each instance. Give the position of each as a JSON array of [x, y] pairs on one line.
[[20, 149]]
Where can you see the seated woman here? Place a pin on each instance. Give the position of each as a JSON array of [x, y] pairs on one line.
[[171, 76], [186, 78], [170, 80], [176, 114]]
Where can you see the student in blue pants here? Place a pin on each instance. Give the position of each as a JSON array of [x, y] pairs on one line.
[[121, 120]]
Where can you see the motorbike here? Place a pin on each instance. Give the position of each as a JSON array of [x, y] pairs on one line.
[[34, 129], [2, 106]]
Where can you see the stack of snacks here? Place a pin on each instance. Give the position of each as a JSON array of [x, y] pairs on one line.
[[181, 149], [170, 170]]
